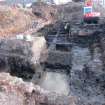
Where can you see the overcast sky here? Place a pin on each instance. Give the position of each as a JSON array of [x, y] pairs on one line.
[[20, 1], [29, 1], [62, 1]]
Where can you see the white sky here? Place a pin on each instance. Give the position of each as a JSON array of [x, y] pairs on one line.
[[29, 1], [61, 1]]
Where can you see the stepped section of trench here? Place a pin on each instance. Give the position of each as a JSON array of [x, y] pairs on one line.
[[75, 66]]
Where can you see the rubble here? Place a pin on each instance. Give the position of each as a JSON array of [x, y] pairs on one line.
[[13, 91], [44, 11], [71, 12], [10, 20], [15, 20]]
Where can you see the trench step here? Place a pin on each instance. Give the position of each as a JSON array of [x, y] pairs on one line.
[[59, 57], [58, 68], [61, 43], [63, 47]]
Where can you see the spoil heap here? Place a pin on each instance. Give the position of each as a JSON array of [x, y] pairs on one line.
[[44, 11], [15, 21], [13, 91], [70, 12]]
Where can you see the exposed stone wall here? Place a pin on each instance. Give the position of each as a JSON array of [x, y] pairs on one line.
[[20, 57]]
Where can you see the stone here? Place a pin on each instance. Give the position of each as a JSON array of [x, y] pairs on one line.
[[21, 56], [14, 91]]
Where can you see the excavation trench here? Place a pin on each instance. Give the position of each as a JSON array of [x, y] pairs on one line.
[[75, 66], [75, 60]]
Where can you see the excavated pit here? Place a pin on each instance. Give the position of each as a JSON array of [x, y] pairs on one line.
[[75, 65]]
